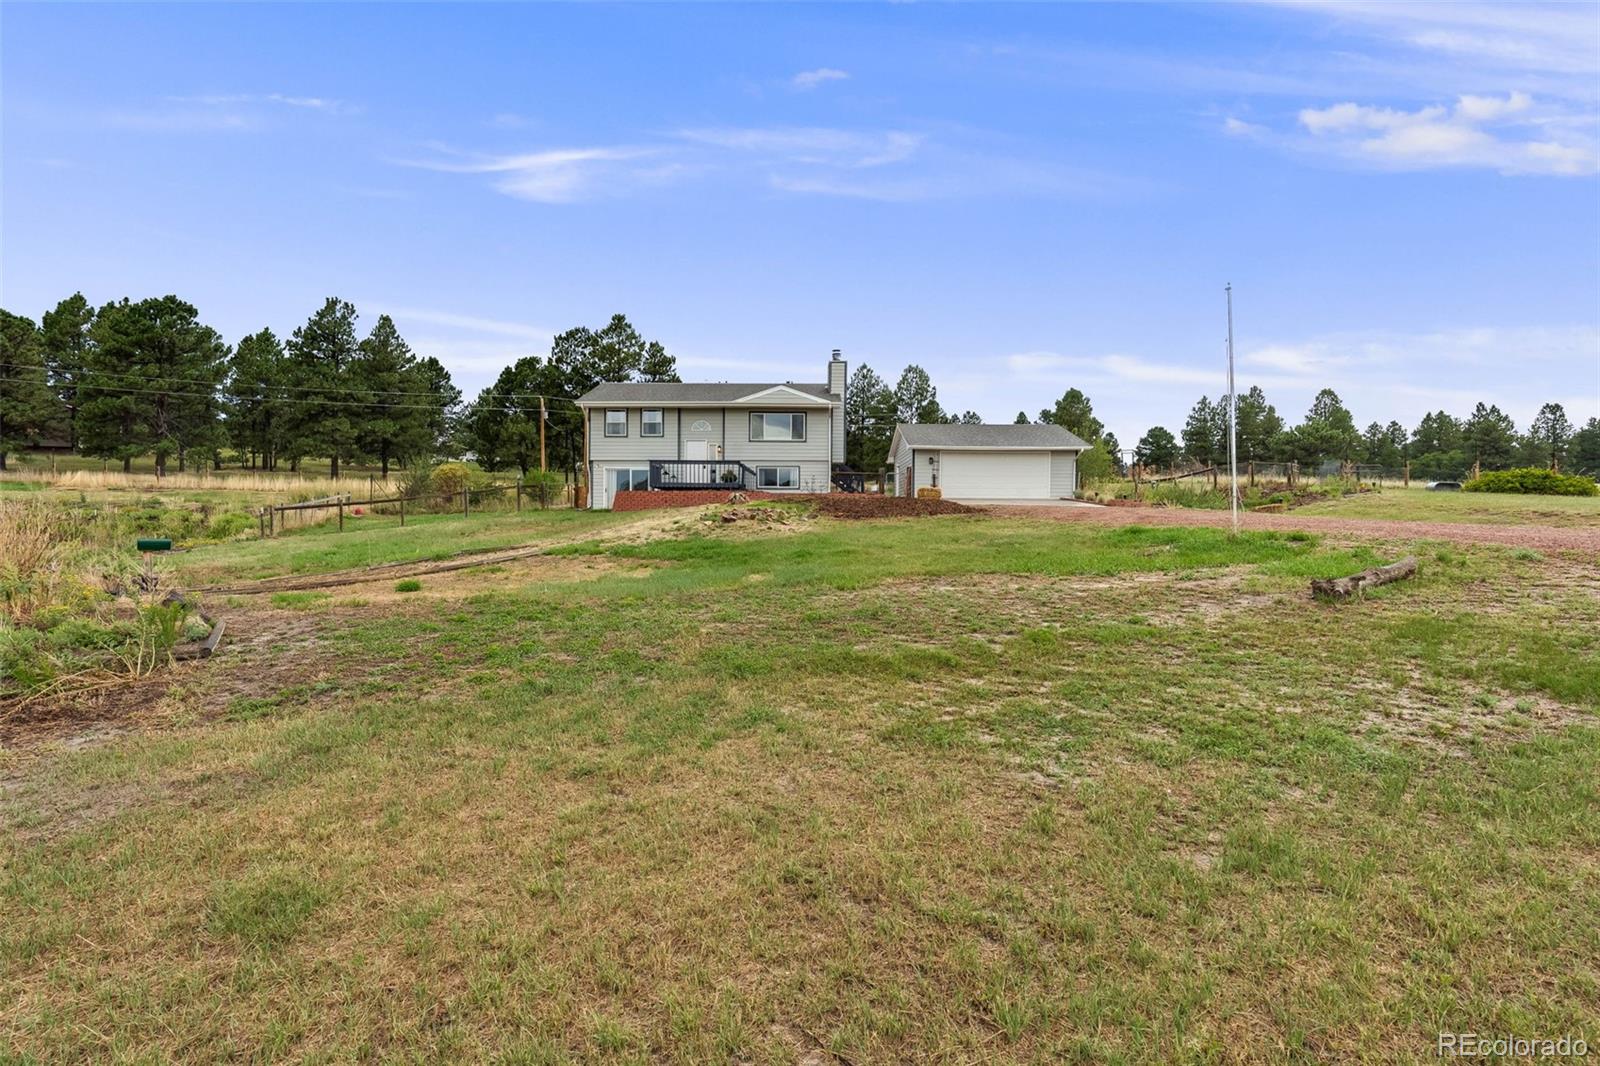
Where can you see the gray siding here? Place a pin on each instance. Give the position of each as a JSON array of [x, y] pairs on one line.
[[1063, 475], [730, 428], [902, 471]]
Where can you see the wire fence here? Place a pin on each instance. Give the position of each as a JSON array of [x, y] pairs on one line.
[[279, 517]]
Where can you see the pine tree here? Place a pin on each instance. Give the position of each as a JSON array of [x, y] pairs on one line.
[[321, 357], [1260, 426], [1075, 413], [394, 420], [1157, 449], [27, 406], [1490, 438], [152, 383], [1550, 434], [916, 401], [257, 407], [1203, 430], [67, 340], [868, 420]]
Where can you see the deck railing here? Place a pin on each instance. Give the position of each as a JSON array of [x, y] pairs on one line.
[[700, 474]]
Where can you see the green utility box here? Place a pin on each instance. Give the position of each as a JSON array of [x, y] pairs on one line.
[[155, 544]]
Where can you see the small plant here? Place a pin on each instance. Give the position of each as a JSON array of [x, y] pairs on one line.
[[410, 584]]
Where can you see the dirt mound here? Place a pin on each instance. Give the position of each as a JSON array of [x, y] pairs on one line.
[[872, 505]]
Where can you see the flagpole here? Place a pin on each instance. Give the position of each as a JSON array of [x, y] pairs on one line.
[[1233, 422]]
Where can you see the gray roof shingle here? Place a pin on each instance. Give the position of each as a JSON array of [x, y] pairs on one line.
[[958, 435], [680, 392]]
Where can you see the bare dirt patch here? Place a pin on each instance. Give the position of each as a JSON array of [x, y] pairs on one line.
[[1538, 537], [874, 505]]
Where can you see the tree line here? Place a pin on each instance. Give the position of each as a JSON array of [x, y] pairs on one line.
[[1441, 445], [147, 377], [134, 378]]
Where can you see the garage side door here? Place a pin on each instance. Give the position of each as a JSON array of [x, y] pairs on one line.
[[995, 475]]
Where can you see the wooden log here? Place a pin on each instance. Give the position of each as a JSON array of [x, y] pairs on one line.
[[1343, 588]]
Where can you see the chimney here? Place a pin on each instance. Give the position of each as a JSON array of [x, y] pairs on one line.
[[837, 368]]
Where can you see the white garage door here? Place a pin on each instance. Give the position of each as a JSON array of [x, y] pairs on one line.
[[994, 475]]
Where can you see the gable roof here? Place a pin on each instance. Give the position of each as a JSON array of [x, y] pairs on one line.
[[957, 435], [675, 393]]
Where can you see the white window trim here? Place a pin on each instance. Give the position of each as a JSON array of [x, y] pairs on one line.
[[805, 427], [661, 421], [760, 470], [607, 424]]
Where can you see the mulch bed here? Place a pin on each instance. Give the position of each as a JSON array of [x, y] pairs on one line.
[[872, 505]]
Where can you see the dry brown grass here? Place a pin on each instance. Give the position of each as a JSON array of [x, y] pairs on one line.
[[35, 542], [246, 480]]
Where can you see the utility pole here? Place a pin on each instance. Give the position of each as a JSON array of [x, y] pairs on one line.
[[1233, 419], [544, 415]]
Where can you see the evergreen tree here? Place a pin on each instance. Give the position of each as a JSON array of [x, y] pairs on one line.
[[1328, 432], [1075, 413], [1489, 437], [27, 406], [1550, 435], [438, 421], [1022, 419], [1583, 453], [1437, 432], [67, 339], [396, 422], [256, 406], [868, 420], [1157, 449], [152, 383], [1205, 432], [916, 401], [1259, 425], [1119, 465], [321, 359]]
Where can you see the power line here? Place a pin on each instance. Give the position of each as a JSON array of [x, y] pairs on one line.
[[82, 384]]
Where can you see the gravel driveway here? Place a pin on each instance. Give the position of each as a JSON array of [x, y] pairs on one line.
[[1543, 538]]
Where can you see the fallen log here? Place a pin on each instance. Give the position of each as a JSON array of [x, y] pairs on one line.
[[1343, 588]]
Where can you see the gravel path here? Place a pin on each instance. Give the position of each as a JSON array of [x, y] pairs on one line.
[[1543, 538]]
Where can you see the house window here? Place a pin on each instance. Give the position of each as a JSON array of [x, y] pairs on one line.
[[616, 423], [777, 477], [651, 424], [777, 425]]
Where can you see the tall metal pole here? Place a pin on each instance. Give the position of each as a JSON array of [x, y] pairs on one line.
[[1233, 421]]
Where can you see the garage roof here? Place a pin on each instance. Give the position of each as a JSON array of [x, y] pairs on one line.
[[959, 435]]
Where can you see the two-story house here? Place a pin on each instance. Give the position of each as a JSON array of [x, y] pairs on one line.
[[785, 437]]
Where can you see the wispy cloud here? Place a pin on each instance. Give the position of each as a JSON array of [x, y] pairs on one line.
[[893, 165], [555, 175], [469, 323], [807, 80], [1507, 134], [304, 103]]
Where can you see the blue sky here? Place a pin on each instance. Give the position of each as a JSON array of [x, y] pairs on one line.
[[1021, 199]]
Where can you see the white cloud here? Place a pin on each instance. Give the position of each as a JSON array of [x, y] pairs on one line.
[[553, 176], [1238, 127], [807, 80], [304, 103], [813, 145], [468, 323], [1502, 133]]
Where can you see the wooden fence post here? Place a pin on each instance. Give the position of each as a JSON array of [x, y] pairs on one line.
[[402, 512], [1407, 474], [261, 524], [519, 495], [1251, 467], [341, 515], [464, 493]]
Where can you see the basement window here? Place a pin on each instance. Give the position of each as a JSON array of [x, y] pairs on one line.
[[777, 477]]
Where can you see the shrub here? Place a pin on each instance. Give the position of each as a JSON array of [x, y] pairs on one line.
[[1533, 480], [544, 488], [229, 524], [410, 584]]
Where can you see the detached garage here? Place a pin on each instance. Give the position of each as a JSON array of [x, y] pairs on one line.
[[966, 462]]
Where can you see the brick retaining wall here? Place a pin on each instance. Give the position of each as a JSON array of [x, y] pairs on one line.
[[650, 501]]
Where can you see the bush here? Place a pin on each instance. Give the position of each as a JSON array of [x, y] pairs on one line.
[[546, 489], [229, 524], [1533, 480]]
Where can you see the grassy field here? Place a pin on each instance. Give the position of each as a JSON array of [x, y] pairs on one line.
[[954, 789], [1418, 504]]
